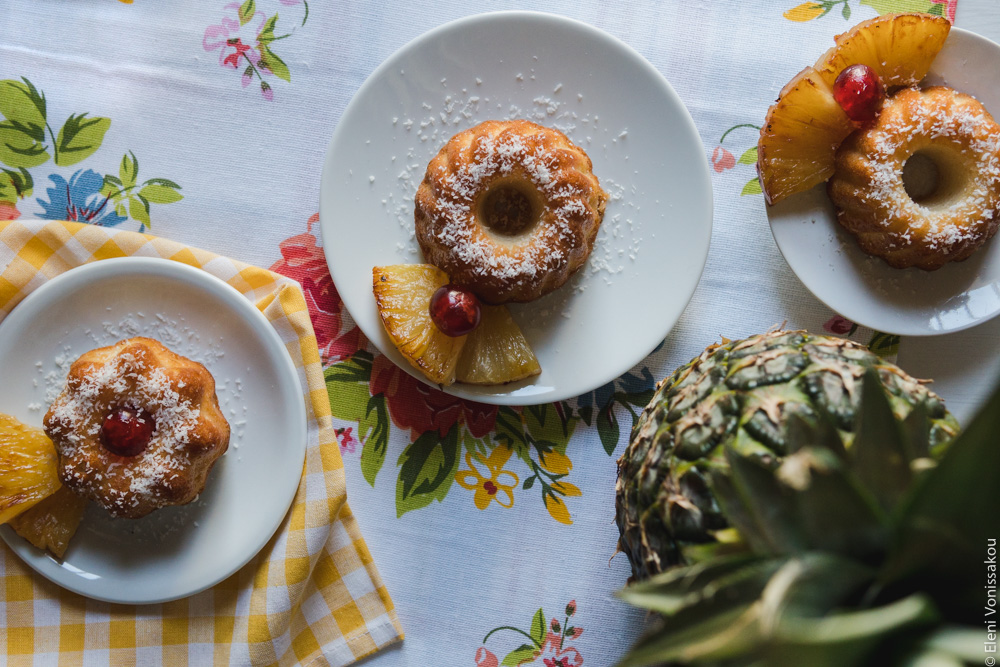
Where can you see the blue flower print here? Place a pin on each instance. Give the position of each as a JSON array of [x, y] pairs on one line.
[[79, 200]]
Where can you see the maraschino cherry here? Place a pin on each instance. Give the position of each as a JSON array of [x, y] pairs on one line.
[[127, 430], [455, 310], [859, 92]]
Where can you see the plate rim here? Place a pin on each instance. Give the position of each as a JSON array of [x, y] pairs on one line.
[[705, 198], [44, 563], [901, 330]]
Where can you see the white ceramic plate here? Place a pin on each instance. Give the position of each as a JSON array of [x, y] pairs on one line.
[[909, 302], [560, 73], [175, 551]]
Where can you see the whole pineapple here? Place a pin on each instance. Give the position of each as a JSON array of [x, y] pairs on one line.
[[741, 395]]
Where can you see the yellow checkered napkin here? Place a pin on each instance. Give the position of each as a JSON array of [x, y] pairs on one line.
[[311, 597]]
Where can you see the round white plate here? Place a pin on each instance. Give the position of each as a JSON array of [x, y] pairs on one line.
[[868, 291], [175, 551], [560, 73]]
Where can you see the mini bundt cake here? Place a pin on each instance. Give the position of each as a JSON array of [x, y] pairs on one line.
[[137, 427], [960, 208], [509, 209]]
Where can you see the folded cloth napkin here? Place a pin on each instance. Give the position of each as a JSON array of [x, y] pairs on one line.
[[312, 596]]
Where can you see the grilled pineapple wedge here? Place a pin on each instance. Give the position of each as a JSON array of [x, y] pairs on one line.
[[899, 47], [52, 522], [28, 470], [496, 352], [805, 126], [403, 295], [800, 136]]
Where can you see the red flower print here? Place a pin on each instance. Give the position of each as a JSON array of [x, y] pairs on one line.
[[348, 443], [233, 59], [949, 8], [485, 658], [553, 654], [420, 408], [722, 159], [303, 260], [8, 211], [840, 325]]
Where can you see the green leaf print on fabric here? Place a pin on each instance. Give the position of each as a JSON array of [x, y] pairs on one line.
[[549, 643], [27, 140], [723, 159], [247, 10], [245, 39], [752, 187], [890, 6], [373, 430], [427, 469], [15, 185], [749, 156], [127, 195], [79, 138], [816, 9]]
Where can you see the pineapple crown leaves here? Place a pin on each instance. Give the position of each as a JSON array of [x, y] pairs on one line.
[[842, 553]]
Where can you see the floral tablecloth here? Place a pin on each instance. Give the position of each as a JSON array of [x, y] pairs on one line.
[[207, 122]]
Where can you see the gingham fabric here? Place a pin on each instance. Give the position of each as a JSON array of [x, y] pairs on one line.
[[311, 597]]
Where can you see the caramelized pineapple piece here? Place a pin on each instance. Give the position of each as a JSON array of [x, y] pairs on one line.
[[52, 522], [403, 295], [496, 352], [800, 137], [899, 47], [27, 467]]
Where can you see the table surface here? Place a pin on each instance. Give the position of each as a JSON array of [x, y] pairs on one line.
[[472, 579]]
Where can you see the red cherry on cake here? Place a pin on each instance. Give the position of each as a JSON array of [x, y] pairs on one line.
[[455, 310], [127, 430], [859, 92]]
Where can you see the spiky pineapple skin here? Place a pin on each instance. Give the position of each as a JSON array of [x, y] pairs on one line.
[[739, 393]]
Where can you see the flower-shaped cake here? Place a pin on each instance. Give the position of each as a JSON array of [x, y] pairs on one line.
[[137, 427]]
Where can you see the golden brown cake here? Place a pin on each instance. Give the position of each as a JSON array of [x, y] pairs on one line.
[[954, 212], [509, 209], [137, 427]]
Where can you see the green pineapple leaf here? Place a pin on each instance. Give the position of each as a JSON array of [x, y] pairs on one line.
[[951, 512], [847, 637], [917, 427], [670, 593], [728, 629], [837, 513], [880, 454], [766, 501]]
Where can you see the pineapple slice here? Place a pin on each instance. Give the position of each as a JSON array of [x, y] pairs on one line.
[[403, 295], [899, 47], [52, 522], [496, 352], [27, 467], [800, 137]]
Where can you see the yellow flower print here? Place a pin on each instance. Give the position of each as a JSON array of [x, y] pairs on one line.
[[498, 486], [807, 11], [557, 508], [554, 462], [554, 503]]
